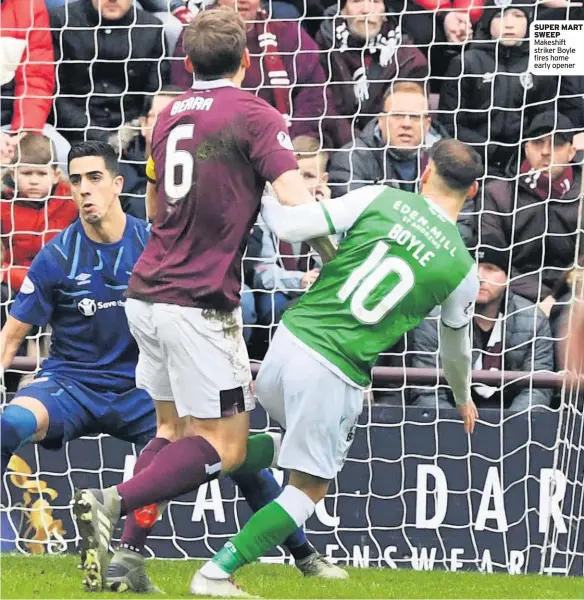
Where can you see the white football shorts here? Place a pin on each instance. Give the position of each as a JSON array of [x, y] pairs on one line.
[[194, 357], [317, 409]]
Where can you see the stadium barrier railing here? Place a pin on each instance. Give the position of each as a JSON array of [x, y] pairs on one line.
[[409, 375]]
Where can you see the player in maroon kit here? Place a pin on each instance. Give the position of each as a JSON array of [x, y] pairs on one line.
[[213, 151]]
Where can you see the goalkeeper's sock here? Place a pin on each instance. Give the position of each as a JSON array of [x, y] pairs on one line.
[[259, 489], [17, 427], [267, 528], [180, 467], [134, 536], [261, 453]]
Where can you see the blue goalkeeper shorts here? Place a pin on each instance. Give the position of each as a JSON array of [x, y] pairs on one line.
[[76, 410]]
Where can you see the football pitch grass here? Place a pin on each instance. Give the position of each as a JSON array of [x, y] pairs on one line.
[[59, 577]]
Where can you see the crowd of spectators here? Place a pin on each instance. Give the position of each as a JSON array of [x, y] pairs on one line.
[[366, 87]]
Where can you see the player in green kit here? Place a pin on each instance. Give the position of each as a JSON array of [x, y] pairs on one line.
[[402, 256]]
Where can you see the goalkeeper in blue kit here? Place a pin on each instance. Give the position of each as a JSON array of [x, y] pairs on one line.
[[86, 386]]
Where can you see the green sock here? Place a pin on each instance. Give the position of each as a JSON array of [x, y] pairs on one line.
[[267, 528], [260, 454]]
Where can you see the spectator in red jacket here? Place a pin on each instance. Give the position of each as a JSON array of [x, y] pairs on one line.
[[34, 210], [28, 76]]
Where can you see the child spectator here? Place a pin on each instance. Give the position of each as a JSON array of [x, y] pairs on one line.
[[439, 28], [33, 209], [313, 166], [489, 94], [287, 270]]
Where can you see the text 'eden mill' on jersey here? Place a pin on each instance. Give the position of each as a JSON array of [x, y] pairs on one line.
[[433, 236]]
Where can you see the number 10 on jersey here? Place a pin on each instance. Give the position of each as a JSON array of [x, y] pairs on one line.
[[368, 276]]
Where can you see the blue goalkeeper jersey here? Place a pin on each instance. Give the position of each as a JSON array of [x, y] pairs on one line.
[[77, 286]]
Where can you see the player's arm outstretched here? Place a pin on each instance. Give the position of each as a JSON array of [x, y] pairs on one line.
[[272, 155], [317, 219], [33, 306], [455, 346], [12, 335]]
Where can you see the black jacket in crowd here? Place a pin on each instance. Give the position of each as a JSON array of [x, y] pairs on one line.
[[527, 346], [426, 30], [104, 68], [492, 111], [542, 235], [133, 170], [571, 102]]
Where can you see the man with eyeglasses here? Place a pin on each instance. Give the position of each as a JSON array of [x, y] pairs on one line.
[[392, 150]]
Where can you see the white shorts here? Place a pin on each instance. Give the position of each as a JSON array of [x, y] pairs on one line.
[[316, 408], [194, 357]]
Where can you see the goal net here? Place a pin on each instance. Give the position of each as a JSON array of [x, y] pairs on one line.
[[415, 491]]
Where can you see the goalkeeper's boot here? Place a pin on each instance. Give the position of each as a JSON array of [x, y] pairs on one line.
[[216, 588], [317, 565], [96, 513], [127, 573]]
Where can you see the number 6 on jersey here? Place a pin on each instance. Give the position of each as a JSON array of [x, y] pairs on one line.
[[176, 187]]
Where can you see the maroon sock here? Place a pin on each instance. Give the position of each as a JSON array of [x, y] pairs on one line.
[[180, 467], [134, 537]]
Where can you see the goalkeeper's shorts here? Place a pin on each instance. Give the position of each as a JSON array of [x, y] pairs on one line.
[[317, 409], [76, 410]]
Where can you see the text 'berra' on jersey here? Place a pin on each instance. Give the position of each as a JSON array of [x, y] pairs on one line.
[[402, 257], [213, 150], [77, 286]]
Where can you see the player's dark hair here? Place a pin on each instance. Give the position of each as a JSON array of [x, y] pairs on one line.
[[215, 41], [458, 165], [166, 90], [95, 148]]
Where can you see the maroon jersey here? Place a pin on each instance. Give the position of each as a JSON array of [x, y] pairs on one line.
[[213, 150]]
